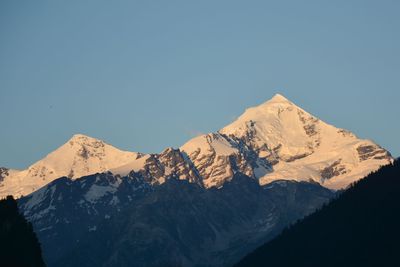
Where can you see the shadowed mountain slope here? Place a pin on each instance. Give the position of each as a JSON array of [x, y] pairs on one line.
[[360, 228]]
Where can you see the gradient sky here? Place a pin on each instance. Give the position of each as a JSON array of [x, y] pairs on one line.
[[144, 75]]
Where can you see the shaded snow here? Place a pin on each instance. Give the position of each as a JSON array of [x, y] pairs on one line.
[[96, 192]]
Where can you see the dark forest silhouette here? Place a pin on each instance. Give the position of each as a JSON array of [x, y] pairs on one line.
[[359, 228], [19, 246]]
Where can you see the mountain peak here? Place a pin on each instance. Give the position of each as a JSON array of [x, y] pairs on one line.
[[271, 114], [79, 135], [81, 138], [278, 98], [77, 141]]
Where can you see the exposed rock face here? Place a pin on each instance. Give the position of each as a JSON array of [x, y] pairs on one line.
[[171, 162], [3, 173], [335, 169], [373, 151], [217, 158]]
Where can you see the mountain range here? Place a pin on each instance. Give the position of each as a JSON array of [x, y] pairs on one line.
[[273, 141], [207, 203]]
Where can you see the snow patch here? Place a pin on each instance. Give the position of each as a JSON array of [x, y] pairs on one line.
[[98, 191]]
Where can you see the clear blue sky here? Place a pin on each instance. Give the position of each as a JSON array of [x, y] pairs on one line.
[[144, 75]]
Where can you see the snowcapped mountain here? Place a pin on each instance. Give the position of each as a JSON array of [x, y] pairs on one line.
[[273, 141], [278, 140], [80, 156]]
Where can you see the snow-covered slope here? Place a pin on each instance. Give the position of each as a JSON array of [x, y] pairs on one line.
[[278, 140], [80, 156]]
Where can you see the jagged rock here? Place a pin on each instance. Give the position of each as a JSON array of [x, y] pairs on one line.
[[3, 173], [332, 170], [373, 151]]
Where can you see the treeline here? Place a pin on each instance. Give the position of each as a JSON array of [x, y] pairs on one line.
[[359, 228], [19, 246]]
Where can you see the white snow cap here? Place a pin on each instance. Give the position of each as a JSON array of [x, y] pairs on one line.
[[278, 98]]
